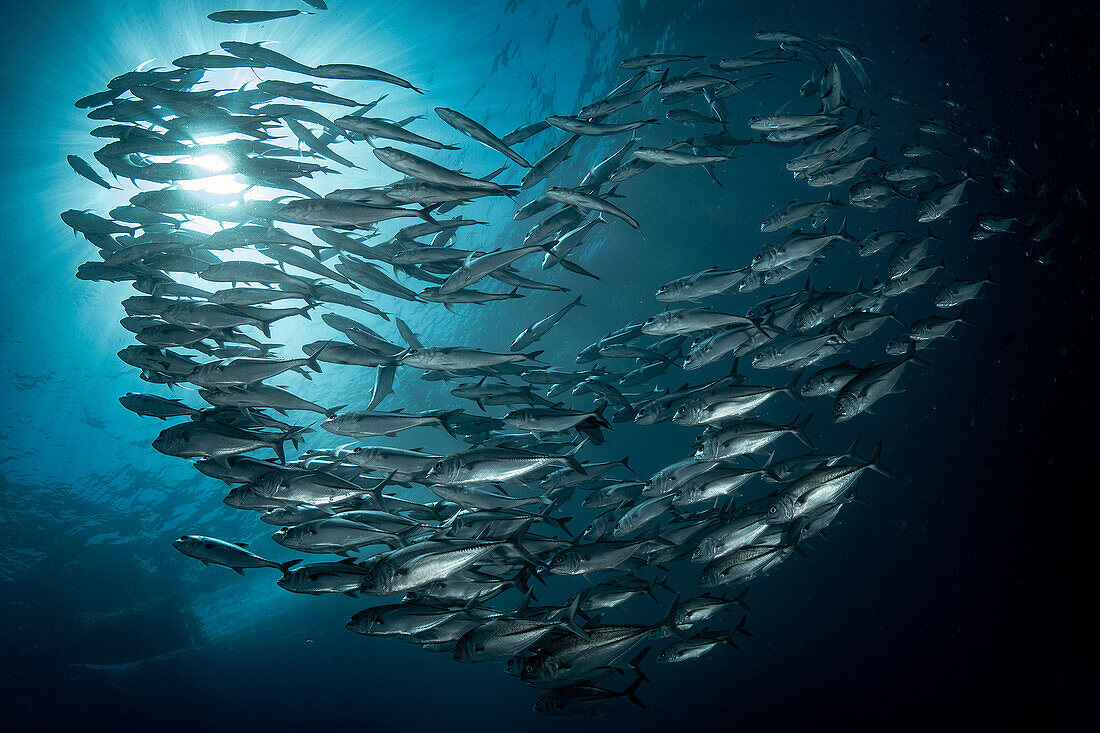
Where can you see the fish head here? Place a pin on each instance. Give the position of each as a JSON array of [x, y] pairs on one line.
[[705, 551], [696, 358], [169, 443], [514, 418], [368, 621], [687, 413], [266, 485], [238, 497], [710, 577], [689, 493], [596, 528], [705, 450], [566, 562], [809, 318], [466, 648], [668, 292], [514, 665], [416, 358], [362, 455], [846, 407], [446, 471], [647, 415], [539, 670], [752, 281], [814, 386], [378, 579], [781, 510], [188, 544], [897, 346], [925, 212], [292, 580], [669, 654], [765, 259], [654, 324], [764, 357]]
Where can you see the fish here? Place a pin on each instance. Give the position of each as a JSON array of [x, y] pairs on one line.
[[871, 385], [370, 424], [480, 133], [252, 16], [942, 199], [582, 200], [578, 126], [540, 328], [236, 557], [463, 523]]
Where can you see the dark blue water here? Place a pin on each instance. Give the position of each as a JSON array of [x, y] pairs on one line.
[[956, 595]]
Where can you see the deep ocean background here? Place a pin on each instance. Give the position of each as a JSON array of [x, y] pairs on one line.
[[956, 596]]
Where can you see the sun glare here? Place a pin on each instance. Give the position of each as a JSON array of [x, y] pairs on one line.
[[228, 184], [212, 162]]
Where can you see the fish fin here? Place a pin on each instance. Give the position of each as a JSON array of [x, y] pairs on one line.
[[575, 465], [669, 620], [875, 464], [569, 622], [792, 388], [515, 543], [445, 421], [740, 600], [799, 427], [741, 628]]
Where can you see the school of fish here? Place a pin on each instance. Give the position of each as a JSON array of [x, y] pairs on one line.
[[526, 555]]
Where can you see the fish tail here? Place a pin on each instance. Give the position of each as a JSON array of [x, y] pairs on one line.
[[631, 693], [286, 566], [740, 600], [792, 388], [875, 464], [740, 629], [669, 620], [515, 543], [570, 619], [798, 429], [445, 421]]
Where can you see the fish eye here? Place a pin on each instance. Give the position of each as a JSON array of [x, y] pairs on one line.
[[760, 355], [528, 668], [772, 510], [556, 560]]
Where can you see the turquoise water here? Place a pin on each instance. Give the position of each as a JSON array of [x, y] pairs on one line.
[[948, 591]]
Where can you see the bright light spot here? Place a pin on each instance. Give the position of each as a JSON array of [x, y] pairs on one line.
[[211, 162], [228, 184]]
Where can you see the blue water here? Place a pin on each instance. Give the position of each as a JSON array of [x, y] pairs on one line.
[[955, 591]]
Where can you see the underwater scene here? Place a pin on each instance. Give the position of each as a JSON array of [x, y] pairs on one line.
[[632, 363]]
